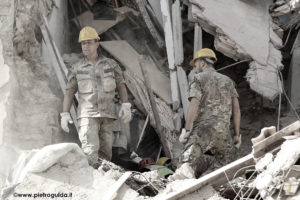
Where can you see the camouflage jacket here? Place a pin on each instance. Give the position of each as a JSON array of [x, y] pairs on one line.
[[96, 86], [215, 92]]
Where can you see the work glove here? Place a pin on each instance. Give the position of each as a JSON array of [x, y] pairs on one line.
[[65, 120], [237, 141], [125, 112], [184, 136]]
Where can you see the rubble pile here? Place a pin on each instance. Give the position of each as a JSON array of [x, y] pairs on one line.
[[257, 46], [278, 174], [63, 168]]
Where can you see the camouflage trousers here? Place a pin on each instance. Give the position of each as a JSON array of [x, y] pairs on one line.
[[211, 137], [96, 136]]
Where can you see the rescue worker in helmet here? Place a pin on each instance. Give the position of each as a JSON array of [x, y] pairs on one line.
[[213, 99], [95, 78]]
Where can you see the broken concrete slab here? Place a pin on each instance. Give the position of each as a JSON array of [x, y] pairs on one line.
[[215, 178], [169, 42], [87, 19], [246, 33], [254, 41], [154, 32], [274, 138], [128, 57], [264, 80], [177, 33], [73, 178]]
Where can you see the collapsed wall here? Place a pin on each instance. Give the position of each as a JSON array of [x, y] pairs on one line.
[[244, 30], [6, 78], [30, 98]]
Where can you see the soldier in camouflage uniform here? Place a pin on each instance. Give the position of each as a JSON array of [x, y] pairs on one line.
[[212, 97], [95, 79]]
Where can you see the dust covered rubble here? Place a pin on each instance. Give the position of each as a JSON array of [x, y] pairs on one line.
[[279, 176], [62, 169]]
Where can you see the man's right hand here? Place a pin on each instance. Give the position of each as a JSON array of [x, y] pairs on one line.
[[237, 141], [65, 120], [184, 136]]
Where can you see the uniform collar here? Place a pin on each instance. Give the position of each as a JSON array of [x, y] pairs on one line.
[[85, 62], [209, 69]]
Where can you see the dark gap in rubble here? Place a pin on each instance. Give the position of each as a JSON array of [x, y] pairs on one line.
[[297, 162]]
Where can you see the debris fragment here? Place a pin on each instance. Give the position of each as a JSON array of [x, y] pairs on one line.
[[290, 187]]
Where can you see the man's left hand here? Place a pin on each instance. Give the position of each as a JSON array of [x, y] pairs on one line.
[[125, 112], [184, 136], [237, 141]]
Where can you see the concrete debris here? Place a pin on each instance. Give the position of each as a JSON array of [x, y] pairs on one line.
[[205, 193], [159, 129], [271, 178], [169, 42], [264, 80], [87, 19], [264, 162], [264, 133], [49, 5], [69, 172], [257, 44], [128, 57], [154, 32], [185, 171], [33, 36], [241, 42], [274, 139], [290, 187], [177, 33], [113, 191], [153, 177], [285, 8], [139, 91], [49, 155]]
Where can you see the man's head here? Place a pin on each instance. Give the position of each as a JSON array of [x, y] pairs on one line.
[[89, 39], [203, 58]]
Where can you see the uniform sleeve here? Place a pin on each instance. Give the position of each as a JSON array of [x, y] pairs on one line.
[[72, 80], [118, 73], [233, 91], [195, 90]]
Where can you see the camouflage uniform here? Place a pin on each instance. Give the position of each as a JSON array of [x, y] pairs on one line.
[[96, 86], [210, 132]]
